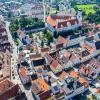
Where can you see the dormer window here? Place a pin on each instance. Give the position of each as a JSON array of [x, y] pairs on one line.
[[62, 26], [68, 24]]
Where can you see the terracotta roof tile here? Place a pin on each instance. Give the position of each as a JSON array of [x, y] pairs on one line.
[[63, 75], [83, 81], [62, 40], [61, 21], [67, 54], [74, 74], [21, 33], [97, 26], [35, 56], [23, 71], [89, 48], [5, 84], [80, 78], [42, 84], [54, 64], [45, 49], [98, 91], [59, 46], [51, 21], [61, 17], [85, 70]]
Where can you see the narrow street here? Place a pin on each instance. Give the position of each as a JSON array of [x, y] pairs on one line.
[[14, 74]]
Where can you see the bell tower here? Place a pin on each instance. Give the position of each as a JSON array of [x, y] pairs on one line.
[[79, 16]]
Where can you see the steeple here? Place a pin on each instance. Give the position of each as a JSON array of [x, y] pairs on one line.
[[79, 16]]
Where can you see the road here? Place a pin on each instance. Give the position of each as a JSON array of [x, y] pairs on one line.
[[15, 78]]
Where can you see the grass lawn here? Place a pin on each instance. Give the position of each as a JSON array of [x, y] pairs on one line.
[[53, 11], [87, 8]]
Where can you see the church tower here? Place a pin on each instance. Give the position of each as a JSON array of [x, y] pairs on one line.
[[79, 17]]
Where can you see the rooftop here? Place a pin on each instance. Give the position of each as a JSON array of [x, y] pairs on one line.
[[23, 71], [5, 85], [81, 79], [62, 40], [59, 21], [39, 85]]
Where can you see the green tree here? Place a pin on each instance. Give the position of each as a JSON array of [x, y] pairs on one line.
[[73, 3], [31, 50], [17, 42], [94, 97], [88, 98], [75, 7], [9, 15], [20, 49], [30, 34], [23, 22], [94, 18], [45, 31], [42, 43], [49, 37]]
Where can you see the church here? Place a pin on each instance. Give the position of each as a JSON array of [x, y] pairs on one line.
[[59, 24]]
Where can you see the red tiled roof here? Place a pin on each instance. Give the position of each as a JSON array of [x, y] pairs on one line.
[[85, 70], [97, 26], [72, 21], [21, 33], [98, 90], [35, 56], [41, 83], [61, 17], [83, 81], [45, 49], [5, 84], [51, 21], [64, 23], [23, 71], [6, 65], [54, 63], [80, 78], [62, 40], [89, 48], [63, 74], [67, 54], [59, 46], [74, 74]]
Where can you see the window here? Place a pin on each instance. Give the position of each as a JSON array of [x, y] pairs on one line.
[[68, 24]]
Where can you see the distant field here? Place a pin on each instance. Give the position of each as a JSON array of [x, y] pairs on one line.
[[87, 8]]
